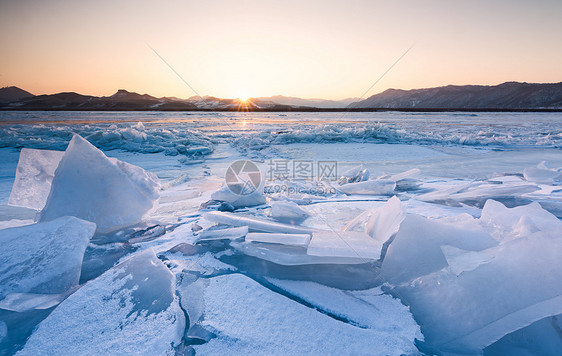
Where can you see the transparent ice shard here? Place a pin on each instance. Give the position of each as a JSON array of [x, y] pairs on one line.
[[44, 258], [369, 187], [91, 186]]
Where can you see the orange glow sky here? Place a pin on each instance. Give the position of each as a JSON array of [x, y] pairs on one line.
[[324, 49]]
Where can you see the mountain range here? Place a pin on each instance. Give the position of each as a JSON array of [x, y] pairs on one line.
[[504, 97]]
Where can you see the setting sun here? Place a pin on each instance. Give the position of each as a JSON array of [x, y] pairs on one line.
[[243, 97]]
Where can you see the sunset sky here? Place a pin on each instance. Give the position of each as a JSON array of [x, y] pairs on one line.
[[313, 49]]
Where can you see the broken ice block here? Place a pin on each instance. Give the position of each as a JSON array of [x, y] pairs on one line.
[[91, 186], [517, 285], [369, 187], [130, 309], [21, 302], [34, 174], [223, 234], [249, 318], [407, 174], [354, 175], [368, 309], [237, 200], [416, 248], [287, 211], [384, 221], [352, 244], [254, 223], [43, 258], [301, 240], [288, 255], [505, 223], [542, 174], [460, 261]]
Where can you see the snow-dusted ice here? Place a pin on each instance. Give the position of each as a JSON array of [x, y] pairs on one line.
[[279, 325], [431, 233], [130, 309]]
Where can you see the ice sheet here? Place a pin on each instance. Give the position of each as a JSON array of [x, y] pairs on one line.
[[43, 258], [368, 309], [35, 172], [416, 249], [240, 312], [223, 234], [351, 244], [301, 240], [518, 286], [130, 309], [291, 255], [254, 224]]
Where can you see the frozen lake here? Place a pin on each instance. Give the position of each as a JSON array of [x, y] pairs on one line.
[[324, 246]]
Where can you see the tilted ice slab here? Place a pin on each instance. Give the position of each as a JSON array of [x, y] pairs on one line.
[[34, 174], [479, 191], [223, 234], [248, 318], [254, 224], [301, 240], [43, 258], [405, 175], [416, 249], [369, 309], [20, 302], [516, 284], [286, 255], [384, 221], [369, 187], [540, 338], [130, 309], [349, 244], [88, 185]]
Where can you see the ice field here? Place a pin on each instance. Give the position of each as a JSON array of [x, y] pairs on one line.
[[356, 233]]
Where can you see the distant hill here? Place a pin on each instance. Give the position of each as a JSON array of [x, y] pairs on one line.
[[506, 96], [8, 94], [317, 103], [122, 100]]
